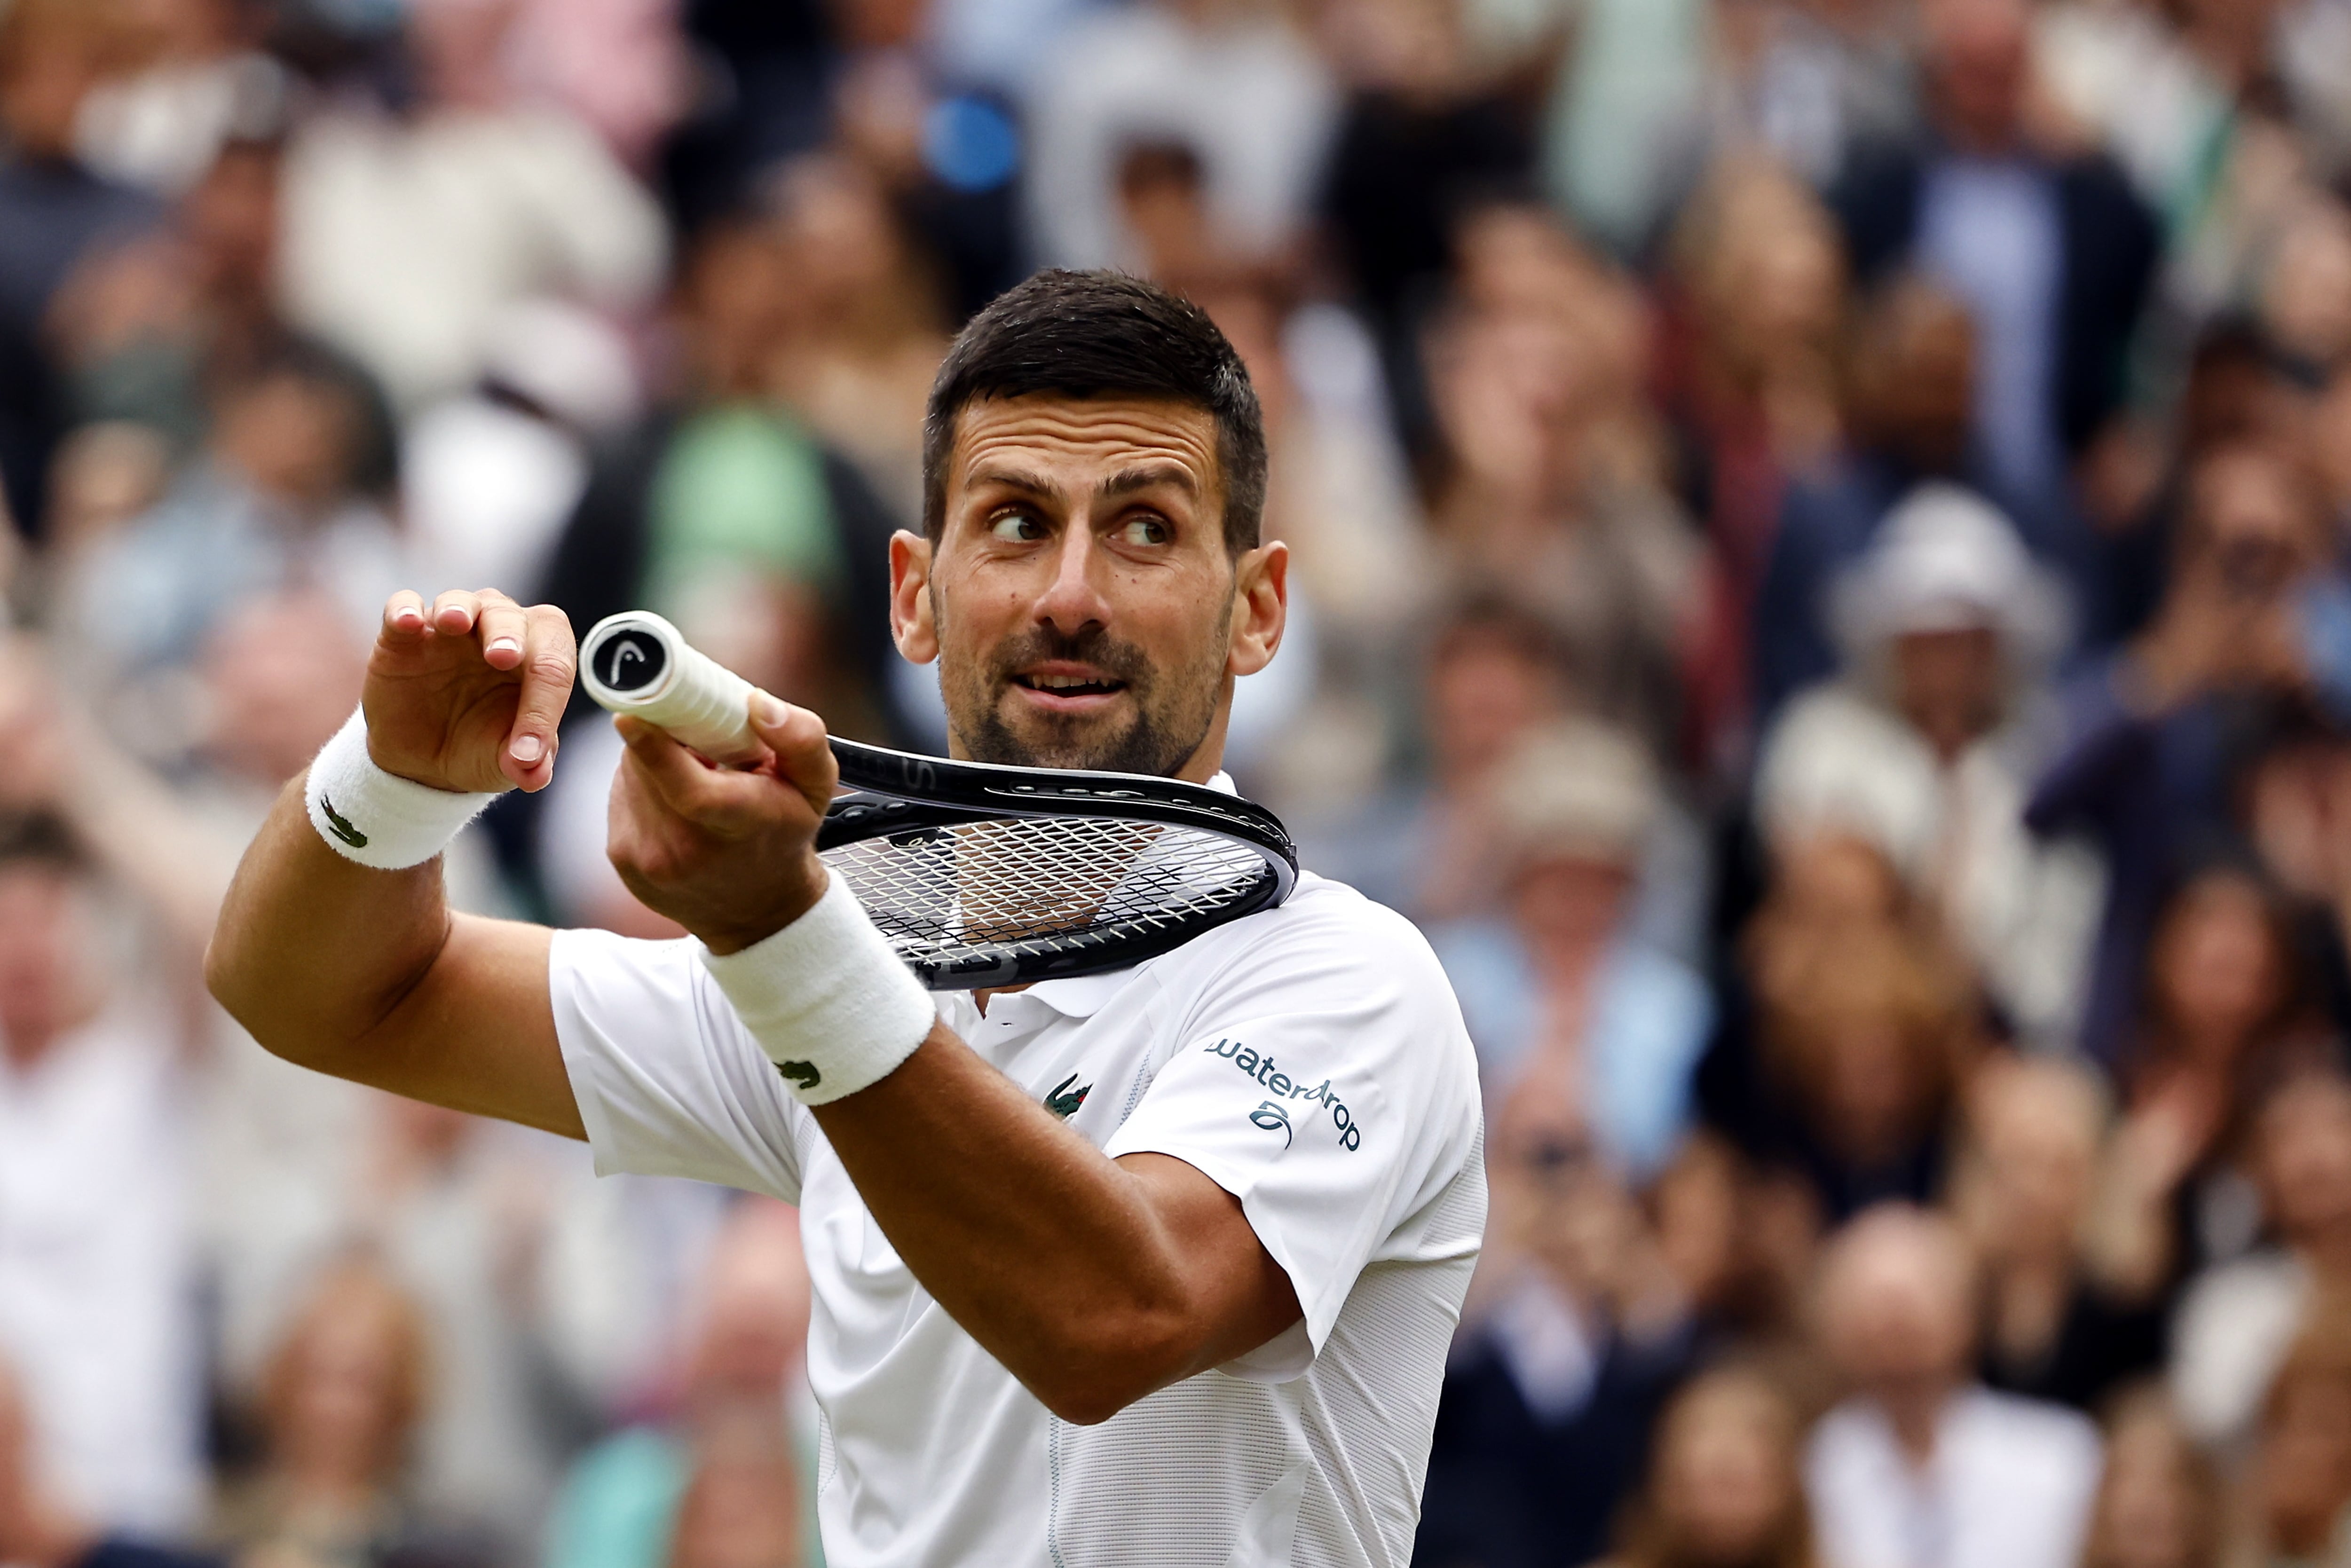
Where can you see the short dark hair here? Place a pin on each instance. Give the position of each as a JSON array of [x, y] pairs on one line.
[[1102, 334]]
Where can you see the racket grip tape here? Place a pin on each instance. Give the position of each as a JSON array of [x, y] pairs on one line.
[[637, 664]]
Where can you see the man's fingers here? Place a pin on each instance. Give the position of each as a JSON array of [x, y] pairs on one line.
[[501, 626], [404, 616], [547, 657], [803, 756], [454, 612], [719, 799]]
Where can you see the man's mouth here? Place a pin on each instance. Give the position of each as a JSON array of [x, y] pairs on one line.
[[1066, 688]]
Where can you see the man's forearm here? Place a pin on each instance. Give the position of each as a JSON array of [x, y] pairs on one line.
[[312, 951], [1094, 1281]]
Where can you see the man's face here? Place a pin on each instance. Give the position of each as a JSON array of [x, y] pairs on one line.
[[2255, 534], [1977, 57], [1948, 684], [1081, 601], [42, 929]]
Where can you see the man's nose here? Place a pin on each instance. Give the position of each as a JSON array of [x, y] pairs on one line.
[[1074, 600]]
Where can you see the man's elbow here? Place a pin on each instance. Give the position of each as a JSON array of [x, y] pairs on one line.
[[1102, 1371], [246, 997]]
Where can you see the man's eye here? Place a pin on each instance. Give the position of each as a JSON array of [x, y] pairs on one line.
[[1144, 531], [1016, 528]]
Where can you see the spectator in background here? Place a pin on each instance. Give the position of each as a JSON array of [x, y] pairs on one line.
[[1574, 1333], [631, 1500], [1427, 132], [405, 236], [97, 1284], [2227, 1014], [1555, 494], [2053, 258], [341, 1401], [1866, 1030], [542, 1299], [53, 212], [945, 149], [1929, 742], [2160, 1502], [2068, 1317], [1907, 374], [1725, 1487], [2146, 764], [147, 332], [2302, 1469], [2237, 1320], [1752, 308], [1921, 1465], [1491, 675], [278, 503], [1229, 79], [866, 325], [1561, 987]]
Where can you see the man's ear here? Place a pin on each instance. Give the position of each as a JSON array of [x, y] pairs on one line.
[[910, 598], [1260, 608]]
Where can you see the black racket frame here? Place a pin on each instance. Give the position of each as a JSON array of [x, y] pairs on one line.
[[895, 792]]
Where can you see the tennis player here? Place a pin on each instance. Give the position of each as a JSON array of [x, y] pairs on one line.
[[1156, 1266]]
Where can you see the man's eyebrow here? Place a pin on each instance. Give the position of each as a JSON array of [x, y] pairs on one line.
[[1011, 479], [1129, 480]]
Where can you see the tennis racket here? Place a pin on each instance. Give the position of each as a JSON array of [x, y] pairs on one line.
[[980, 875]]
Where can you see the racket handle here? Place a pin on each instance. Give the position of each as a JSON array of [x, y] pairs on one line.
[[637, 664]]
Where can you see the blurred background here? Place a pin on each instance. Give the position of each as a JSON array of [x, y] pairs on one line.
[[1822, 538]]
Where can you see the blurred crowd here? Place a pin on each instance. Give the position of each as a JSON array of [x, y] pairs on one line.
[[1822, 581]]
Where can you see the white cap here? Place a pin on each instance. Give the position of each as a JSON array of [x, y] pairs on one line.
[[1578, 791], [1946, 559]]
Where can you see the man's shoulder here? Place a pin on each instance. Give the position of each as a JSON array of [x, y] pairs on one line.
[[1324, 932]]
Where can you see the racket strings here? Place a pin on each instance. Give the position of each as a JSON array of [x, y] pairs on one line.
[[1037, 885]]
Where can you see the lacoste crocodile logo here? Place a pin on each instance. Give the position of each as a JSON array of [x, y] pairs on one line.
[[803, 1074], [1063, 1102], [340, 825]]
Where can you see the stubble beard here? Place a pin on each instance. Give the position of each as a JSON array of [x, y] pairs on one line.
[[1170, 715]]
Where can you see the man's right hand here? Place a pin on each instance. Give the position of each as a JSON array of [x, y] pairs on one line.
[[465, 694]]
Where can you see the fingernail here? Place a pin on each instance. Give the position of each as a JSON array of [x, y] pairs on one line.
[[527, 748], [768, 710], [505, 645]]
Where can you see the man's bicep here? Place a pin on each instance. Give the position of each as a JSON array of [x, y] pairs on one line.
[[1246, 1297], [476, 1034]]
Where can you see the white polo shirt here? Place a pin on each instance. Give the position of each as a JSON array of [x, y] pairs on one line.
[[1311, 1060]]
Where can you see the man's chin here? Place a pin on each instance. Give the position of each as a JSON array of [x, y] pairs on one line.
[[1095, 741], [1116, 740]]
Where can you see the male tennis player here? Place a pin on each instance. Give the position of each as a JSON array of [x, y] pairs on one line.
[[1156, 1266]]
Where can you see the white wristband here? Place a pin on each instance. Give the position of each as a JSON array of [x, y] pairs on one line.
[[834, 1008], [376, 818]]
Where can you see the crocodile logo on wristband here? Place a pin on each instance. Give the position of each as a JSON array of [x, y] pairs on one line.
[[803, 1074], [340, 825]]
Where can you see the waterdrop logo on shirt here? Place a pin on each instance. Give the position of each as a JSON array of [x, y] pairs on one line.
[[1261, 1070]]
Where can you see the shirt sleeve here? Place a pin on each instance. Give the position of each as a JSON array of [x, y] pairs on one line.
[[669, 1082], [1329, 1085]]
